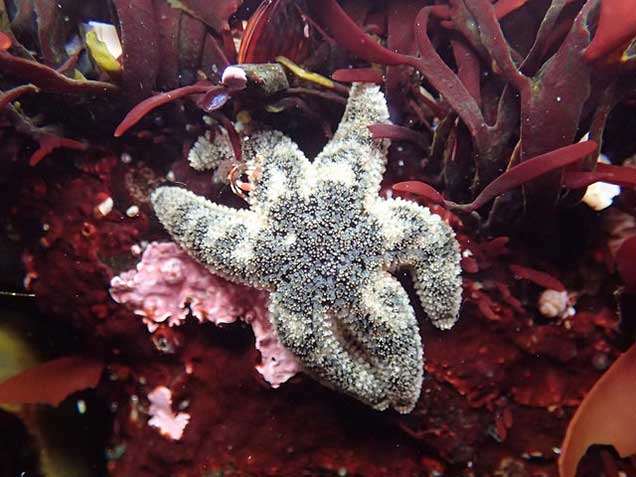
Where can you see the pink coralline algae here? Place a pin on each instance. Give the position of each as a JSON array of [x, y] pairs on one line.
[[168, 285], [170, 425]]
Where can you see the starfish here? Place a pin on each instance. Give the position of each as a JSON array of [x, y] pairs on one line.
[[323, 242]]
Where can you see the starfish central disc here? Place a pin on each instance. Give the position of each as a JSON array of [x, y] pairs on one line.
[[320, 246]]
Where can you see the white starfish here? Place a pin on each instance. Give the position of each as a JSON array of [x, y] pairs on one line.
[[322, 241]]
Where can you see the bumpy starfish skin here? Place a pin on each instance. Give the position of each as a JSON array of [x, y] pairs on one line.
[[321, 240]]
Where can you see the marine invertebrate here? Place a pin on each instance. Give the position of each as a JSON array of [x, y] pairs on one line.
[[554, 303], [322, 241]]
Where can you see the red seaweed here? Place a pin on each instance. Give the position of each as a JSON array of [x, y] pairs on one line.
[[625, 260], [515, 176], [398, 133], [537, 277], [350, 36], [168, 25], [488, 36], [214, 13], [49, 80], [579, 180], [421, 189], [275, 29], [401, 40], [620, 175], [362, 75], [431, 65], [5, 41], [495, 247], [15, 93], [50, 142], [467, 68], [147, 105], [616, 25], [233, 134], [531, 169], [52, 33], [140, 43], [70, 62]]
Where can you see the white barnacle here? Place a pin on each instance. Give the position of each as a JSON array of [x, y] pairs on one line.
[[319, 237]]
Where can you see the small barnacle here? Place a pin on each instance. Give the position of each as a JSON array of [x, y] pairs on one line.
[[105, 207], [165, 340], [555, 303], [88, 229], [132, 211]]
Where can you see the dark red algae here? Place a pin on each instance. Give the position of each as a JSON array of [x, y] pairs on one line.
[[511, 120]]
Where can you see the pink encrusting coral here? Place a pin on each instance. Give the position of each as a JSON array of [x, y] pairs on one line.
[[277, 364], [168, 284], [170, 425]]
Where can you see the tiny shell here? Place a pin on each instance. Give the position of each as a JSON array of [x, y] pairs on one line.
[[105, 207]]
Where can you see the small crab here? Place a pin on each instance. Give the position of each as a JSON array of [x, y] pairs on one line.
[[236, 176]]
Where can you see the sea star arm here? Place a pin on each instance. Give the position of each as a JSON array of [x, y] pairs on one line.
[[219, 237], [310, 337], [386, 330], [276, 166], [351, 156], [371, 351], [422, 242]]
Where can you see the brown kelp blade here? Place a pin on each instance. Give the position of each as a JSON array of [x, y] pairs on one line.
[[607, 415], [51, 382]]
